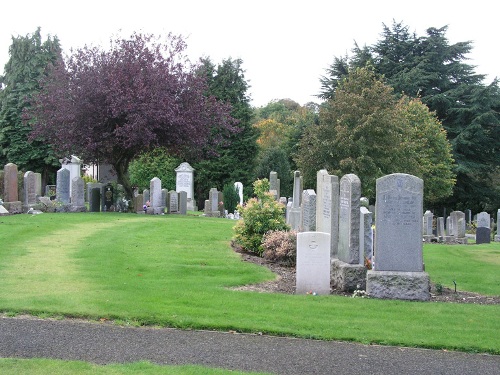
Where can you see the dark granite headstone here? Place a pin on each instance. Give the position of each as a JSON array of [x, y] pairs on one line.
[[483, 235], [95, 199]]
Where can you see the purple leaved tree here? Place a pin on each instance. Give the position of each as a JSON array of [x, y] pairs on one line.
[[107, 105]]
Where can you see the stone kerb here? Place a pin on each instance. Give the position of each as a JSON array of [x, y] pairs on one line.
[[327, 208], [313, 263], [398, 264]]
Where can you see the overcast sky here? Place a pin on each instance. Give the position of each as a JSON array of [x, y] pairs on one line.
[[285, 45]]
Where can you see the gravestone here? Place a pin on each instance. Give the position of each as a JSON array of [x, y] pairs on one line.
[[497, 236], [350, 194], [172, 202], [348, 273], [90, 186], [95, 199], [11, 200], [108, 197], [50, 192], [327, 208], [399, 269], [313, 263], [483, 230], [78, 195], [212, 208], [365, 235], [441, 234], [184, 181], [74, 166], [2, 184], [139, 204], [164, 196], [38, 184], [182, 202], [157, 207], [428, 233], [308, 211], [294, 219], [238, 186], [63, 185], [274, 188], [29, 190]]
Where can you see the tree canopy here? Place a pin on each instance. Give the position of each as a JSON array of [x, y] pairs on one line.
[[368, 131], [108, 105], [28, 62], [429, 68]]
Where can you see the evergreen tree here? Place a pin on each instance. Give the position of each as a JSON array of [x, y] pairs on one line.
[[29, 59], [234, 159], [431, 69]]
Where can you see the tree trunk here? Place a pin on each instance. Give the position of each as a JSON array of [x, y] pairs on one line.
[[121, 169]]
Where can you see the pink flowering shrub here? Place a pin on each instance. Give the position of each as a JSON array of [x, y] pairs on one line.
[[280, 247]]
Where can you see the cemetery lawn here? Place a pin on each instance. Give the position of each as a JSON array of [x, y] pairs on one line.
[[40, 366], [177, 271]]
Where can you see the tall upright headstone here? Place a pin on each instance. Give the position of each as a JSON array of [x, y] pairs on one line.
[[182, 202], [428, 218], [38, 184], [327, 208], [274, 184], [157, 207], [497, 236], [294, 219], [399, 268], [184, 181], [348, 272], [365, 235], [313, 263], [308, 210], [74, 166], [29, 189], [11, 191], [173, 202], [350, 194], [63, 185]]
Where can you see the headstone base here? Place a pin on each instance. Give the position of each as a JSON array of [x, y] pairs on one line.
[[347, 277], [14, 207], [212, 214], [455, 240], [156, 210], [497, 238], [430, 238], [78, 209], [412, 286]]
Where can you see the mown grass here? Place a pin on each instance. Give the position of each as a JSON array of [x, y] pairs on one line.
[[14, 366], [176, 271]]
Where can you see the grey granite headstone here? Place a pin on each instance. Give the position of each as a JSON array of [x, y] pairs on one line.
[[294, 214], [29, 188], [156, 205], [172, 202], [182, 202], [273, 184], [483, 220], [327, 208], [441, 234], [38, 184], [313, 263], [365, 235], [78, 193], [308, 210], [63, 186], [350, 194], [398, 242], [483, 235], [428, 217]]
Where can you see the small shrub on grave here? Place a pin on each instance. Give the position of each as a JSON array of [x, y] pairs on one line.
[[260, 215], [280, 247]]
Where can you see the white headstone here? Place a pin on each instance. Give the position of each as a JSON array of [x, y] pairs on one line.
[[313, 263]]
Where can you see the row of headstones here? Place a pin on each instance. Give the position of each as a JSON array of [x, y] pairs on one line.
[[214, 205], [155, 200], [68, 193], [331, 248], [455, 231]]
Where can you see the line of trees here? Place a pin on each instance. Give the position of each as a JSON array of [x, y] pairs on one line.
[[406, 104]]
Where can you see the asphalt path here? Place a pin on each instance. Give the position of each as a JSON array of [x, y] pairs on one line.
[[104, 343]]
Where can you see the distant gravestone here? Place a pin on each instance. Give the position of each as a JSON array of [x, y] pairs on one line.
[[78, 194], [294, 213], [156, 205], [74, 166], [11, 193], [63, 184], [95, 199], [182, 202], [313, 263], [483, 230], [327, 208], [29, 189], [308, 210], [172, 202], [109, 197], [441, 234], [184, 181], [273, 184], [497, 236], [399, 266], [38, 184], [90, 186], [428, 233], [139, 204], [350, 194]]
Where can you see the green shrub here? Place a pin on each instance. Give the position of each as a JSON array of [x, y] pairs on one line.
[[280, 247], [260, 215], [231, 197], [150, 164]]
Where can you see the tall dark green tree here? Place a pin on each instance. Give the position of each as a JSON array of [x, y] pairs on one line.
[[28, 62], [432, 69], [234, 159]]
